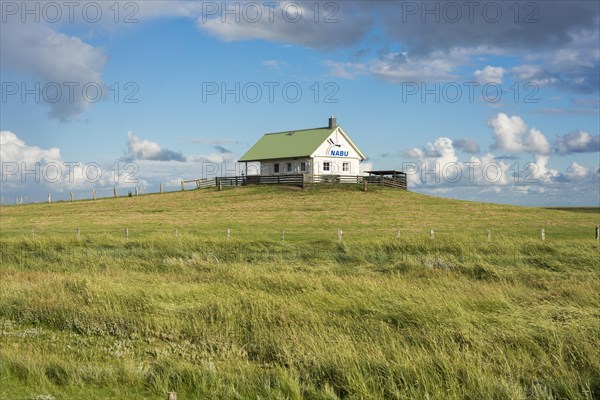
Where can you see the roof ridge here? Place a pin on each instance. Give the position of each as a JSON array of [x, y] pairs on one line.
[[299, 130]]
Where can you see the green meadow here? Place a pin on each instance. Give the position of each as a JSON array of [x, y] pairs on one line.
[[388, 312]]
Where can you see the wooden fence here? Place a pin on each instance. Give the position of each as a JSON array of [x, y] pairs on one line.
[[397, 182], [301, 180], [200, 183], [290, 180]]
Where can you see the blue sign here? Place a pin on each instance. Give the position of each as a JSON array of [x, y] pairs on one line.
[[338, 153], [335, 149]]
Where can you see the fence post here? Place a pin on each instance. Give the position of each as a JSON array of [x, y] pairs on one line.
[[432, 233], [340, 235], [172, 396], [26, 200], [228, 233], [17, 200], [364, 185], [283, 235], [220, 185], [94, 194], [597, 233], [182, 186], [72, 195], [126, 233], [136, 191], [115, 192], [543, 234], [49, 198], [161, 188], [303, 185]]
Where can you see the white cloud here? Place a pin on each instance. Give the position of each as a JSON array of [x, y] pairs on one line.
[[538, 170], [512, 135], [576, 171], [345, 70], [489, 179], [57, 59], [489, 75], [573, 67], [285, 22], [34, 171], [437, 169], [577, 142], [31, 170], [467, 145], [13, 149], [535, 142], [401, 67], [138, 149]]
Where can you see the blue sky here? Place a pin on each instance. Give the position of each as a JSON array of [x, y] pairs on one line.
[[533, 72]]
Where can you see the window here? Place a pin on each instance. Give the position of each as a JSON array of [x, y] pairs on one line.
[[303, 166], [289, 167], [276, 168], [326, 166], [346, 167]]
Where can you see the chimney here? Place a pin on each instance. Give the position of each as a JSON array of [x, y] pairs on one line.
[[332, 122]]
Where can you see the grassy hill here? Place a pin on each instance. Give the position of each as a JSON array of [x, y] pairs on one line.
[[376, 316], [261, 212]]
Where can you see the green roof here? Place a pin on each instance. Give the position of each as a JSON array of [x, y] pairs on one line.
[[288, 144]]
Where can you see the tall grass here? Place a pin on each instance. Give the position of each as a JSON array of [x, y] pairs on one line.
[[254, 317]]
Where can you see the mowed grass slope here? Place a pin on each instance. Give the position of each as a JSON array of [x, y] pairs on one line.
[[376, 316], [316, 213]]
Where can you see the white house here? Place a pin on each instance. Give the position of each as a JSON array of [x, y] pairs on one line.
[[317, 151]]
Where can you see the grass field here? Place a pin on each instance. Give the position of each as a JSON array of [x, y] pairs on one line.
[[376, 316]]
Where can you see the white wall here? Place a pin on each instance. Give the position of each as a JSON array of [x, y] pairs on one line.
[[267, 167], [336, 165], [344, 153]]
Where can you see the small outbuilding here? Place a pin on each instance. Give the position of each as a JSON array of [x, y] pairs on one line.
[[318, 151]]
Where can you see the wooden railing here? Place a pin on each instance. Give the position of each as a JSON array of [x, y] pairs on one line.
[[336, 179], [397, 182], [294, 180], [200, 183]]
